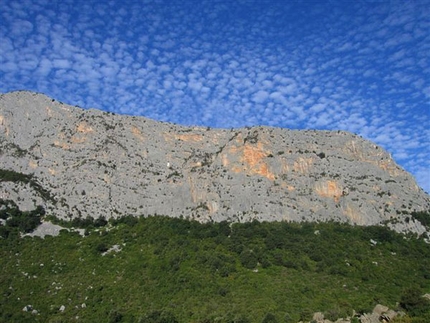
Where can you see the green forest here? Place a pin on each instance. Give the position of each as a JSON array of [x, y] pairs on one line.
[[160, 269]]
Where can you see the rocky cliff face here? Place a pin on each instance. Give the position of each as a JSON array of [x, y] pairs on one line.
[[94, 163]]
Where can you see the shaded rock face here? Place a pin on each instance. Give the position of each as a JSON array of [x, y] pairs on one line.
[[95, 163]]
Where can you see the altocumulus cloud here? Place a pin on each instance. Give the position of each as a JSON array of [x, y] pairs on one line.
[[358, 66]]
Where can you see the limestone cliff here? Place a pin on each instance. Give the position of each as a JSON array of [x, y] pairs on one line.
[[94, 163]]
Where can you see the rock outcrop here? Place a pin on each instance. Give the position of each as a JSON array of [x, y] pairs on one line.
[[93, 163], [380, 314]]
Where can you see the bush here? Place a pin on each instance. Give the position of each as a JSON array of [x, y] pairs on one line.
[[414, 303], [306, 314], [423, 217], [159, 317], [115, 316], [269, 318], [4, 232], [127, 220], [102, 247], [12, 176], [248, 259], [100, 222], [25, 221]]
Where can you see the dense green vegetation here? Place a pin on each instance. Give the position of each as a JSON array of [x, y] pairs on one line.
[[423, 217], [17, 221], [12, 176], [173, 270]]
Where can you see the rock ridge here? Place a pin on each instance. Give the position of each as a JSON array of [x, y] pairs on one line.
[[95, 163]]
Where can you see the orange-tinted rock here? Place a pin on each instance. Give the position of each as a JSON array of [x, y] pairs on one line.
[[329, 189], [252, 160]]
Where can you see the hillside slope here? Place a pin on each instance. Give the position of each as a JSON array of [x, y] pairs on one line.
[[91, 163]]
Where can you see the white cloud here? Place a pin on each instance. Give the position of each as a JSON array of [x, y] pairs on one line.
[[318, 108], [61, 63], [426, 92], [364, 72], [260, 96], [21, 27]]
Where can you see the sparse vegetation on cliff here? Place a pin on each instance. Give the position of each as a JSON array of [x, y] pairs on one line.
[[56, 155], [17, 177]]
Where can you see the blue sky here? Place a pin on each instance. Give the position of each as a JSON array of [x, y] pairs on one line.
[[361, 66]]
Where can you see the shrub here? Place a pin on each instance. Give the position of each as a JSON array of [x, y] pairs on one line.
[[102, 247], [305, 314], [248, 259], [24, 221], [414, 303], [269, 318], [423, 217], [159, 317]]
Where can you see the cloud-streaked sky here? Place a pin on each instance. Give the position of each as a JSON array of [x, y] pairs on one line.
[[356, 65]]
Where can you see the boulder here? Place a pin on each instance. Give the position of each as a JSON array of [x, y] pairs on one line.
[[380, 309], [369, 318], [318, 317], [388, 316]]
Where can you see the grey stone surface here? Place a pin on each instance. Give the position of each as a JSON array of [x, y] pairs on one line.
[[94, 163], [49, 229], [369, 318], [318, 317], [380, 309], [388, 316], [46, 229]]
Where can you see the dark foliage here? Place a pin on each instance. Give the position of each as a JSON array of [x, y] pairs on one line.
[[12, 176], [18, 221], [159, 317], [423, 217], [414, 303]]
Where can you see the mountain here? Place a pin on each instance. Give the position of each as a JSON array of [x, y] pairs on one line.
[[79, 163]]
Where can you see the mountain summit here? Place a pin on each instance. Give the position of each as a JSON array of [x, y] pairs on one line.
[[79, 163]]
